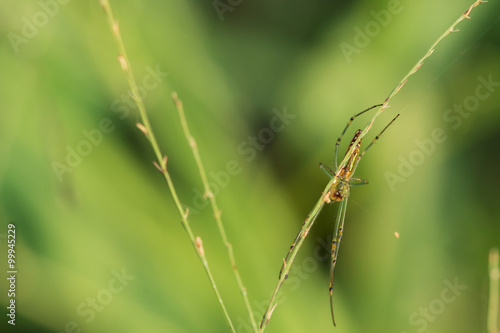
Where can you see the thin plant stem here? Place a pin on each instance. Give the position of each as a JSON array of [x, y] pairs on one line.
[[215, 208], [324, 197], [494, 299], [401, 83], [285, 270], [161, 163]]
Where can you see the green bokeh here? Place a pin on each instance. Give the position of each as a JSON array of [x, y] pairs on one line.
[[112, 212]]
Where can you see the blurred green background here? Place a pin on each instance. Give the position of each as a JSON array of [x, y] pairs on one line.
[[108, 213]]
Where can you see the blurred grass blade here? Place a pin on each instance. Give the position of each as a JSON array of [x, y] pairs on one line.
[[494, 299]]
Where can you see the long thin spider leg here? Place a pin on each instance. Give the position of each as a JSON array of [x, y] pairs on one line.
[[357, 181], [291, 249], [337, 144], [377, 137], [304, 230], [329, 172], [339, 230]]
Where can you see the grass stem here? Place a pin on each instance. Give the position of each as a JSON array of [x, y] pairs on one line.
[[215, 207], [494, 272], [401, 83], [317, 208], [161, 163]]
